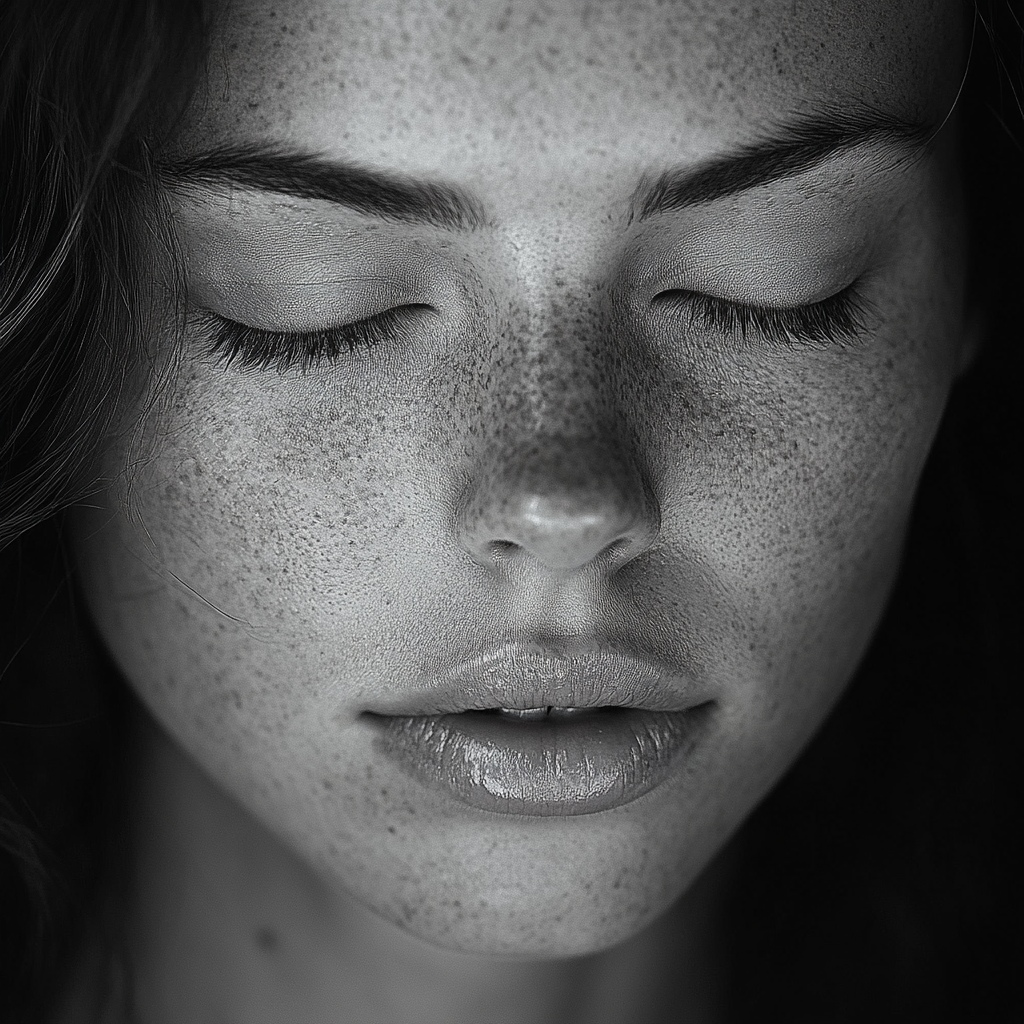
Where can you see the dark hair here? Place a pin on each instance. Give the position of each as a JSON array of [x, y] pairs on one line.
[[88, 89], [876, 870]]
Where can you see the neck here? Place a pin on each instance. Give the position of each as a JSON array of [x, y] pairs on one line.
[[223, 922]]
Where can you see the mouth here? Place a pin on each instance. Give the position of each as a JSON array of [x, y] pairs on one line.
[[533, 732]]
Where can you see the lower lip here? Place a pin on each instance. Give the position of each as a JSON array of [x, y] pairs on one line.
[[559, 766]]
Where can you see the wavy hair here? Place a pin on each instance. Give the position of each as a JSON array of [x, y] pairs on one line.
[[88, 89]]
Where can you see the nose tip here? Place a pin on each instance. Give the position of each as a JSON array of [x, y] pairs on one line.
[[564, 507], [566, 532]]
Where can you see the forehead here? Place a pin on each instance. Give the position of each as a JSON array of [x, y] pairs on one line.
[[419, 85]]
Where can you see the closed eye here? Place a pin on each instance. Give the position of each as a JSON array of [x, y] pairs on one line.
[[843, 317], [259, 349]]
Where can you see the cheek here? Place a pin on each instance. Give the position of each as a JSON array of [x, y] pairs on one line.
[[795, 491], [251, 538]]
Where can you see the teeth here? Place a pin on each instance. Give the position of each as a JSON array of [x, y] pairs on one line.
[[536, 714]]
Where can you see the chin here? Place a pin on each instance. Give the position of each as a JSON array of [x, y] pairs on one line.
[[527, 930], [541, 890]]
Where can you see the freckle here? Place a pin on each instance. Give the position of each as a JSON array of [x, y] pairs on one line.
[[328, 784], [267, 939], [392, 830]]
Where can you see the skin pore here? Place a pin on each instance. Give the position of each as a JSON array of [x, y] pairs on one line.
[[291, 549]]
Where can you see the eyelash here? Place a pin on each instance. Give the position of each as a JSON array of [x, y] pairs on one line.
[[840, 317], [253, 348]]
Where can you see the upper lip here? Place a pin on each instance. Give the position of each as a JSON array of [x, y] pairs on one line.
[[519, 676]]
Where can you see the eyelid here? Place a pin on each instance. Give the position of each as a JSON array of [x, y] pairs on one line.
[[746, 263], [262, 349], [301, 307]]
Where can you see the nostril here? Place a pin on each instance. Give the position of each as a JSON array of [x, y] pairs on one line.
[[617, 547], [499, 548]]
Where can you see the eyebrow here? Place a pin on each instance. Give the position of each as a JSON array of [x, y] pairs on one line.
[[785, 151], [384, 194]]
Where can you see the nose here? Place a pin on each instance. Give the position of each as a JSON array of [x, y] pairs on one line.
[[562, 503]]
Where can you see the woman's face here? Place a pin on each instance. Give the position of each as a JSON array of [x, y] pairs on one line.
[[601, 453]]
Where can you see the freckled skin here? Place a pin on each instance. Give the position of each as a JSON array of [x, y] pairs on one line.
[[334, 533]]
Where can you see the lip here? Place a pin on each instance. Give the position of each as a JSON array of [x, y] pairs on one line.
[[521, 676], [633, 722]]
